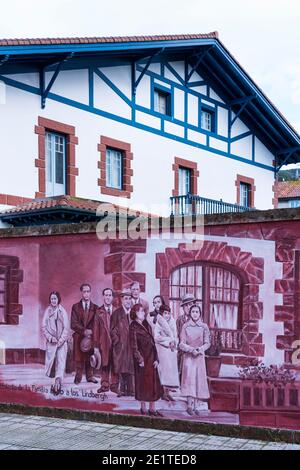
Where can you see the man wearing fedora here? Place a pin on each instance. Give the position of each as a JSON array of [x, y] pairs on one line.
[[102, 342], [82, 323], [122, 356], [186, 303]]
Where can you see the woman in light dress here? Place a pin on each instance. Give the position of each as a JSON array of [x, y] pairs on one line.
[[56, 329], [194, 341], [166, 340]]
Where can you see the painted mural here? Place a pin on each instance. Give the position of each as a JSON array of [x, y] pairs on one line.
[[153, 327]]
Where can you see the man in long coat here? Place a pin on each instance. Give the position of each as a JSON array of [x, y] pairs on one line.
[[121, 351], [186, 303], [82, 323], [102, 343]]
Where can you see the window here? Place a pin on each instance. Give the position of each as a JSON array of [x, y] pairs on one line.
[[59, 152], [245, 194], [114, 171], [207, 120], [115, 167], [162, 102], [55, 164], [10, 277], [294, 203], [3, 294], [218, 292], [184, 181]]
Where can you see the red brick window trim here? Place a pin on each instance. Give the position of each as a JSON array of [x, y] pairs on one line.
[[127, 172], [40, 162], [250, 181], [182, 163]]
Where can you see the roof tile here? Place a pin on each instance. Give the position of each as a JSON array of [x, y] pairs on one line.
[[65, 201], [105, 39], [287, 189]]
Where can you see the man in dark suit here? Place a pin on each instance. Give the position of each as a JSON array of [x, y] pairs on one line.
[[82, 323], [102, 342], [121, 350]]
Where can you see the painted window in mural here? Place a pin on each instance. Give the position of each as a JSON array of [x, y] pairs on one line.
[[3, 294], [218, 291]]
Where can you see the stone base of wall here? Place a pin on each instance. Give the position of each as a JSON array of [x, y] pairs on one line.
[[24, 356]]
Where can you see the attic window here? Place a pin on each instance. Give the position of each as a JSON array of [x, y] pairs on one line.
[[162, 101], [208, 119]]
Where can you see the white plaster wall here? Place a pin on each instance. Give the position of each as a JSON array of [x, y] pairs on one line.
[[242, 147], [153, 178], [179, 104], [272, 270], [262, 154], [142, 97], [121, 77], [222, 122], [238, 127], [193, 110], [18, 143], [72, 84]]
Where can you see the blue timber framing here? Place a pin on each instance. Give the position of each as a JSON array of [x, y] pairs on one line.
[[136, 81], [208, 57], [108, 115], [45, 90], [4, 60], [199, 59], [285, 154]]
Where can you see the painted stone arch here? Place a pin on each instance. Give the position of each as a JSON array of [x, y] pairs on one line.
[[250, 270]]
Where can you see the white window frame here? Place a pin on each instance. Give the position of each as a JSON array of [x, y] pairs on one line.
[[55, 145], [114, 168], [184, 181], [162, 101], [207, 120], [294, 203], [245, 194]]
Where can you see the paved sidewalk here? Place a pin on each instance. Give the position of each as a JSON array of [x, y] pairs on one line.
[[18, 432]]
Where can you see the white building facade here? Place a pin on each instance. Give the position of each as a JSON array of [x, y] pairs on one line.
[[135, 121]]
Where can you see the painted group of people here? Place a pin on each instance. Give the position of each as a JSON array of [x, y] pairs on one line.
[[138, 352]]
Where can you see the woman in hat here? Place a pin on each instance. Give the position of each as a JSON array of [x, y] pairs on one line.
[[166, 340], [186, 303], [56, 330], [147, 383], [194, 341]]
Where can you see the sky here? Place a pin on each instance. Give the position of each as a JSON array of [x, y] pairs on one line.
[[263, 35]]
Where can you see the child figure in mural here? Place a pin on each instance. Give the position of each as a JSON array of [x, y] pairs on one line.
[[166, 340], [56, 330], [148, 387], [194, 341]]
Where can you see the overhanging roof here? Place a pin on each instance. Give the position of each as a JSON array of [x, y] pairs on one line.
[[214, 63]]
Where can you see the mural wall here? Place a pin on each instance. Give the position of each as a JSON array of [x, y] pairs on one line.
[[155, 327]]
